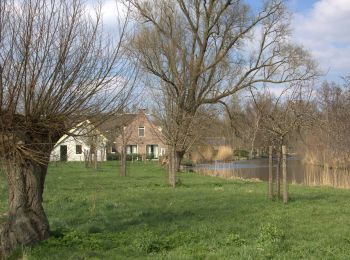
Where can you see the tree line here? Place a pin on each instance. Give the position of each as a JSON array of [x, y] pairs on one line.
[[313, 121]]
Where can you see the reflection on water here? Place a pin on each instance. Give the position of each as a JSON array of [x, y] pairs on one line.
[[298, 172]]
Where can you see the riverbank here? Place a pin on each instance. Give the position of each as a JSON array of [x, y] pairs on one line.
[[99, 215]]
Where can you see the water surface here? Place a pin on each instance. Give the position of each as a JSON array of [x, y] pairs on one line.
[[298, 172]]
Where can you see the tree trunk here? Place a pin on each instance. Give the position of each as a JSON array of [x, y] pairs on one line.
[[90, 157], [27, 222], [284, 173], [278, 178], [123, 162], [95, 160], [270, 174], [175, 158], [174, 166]]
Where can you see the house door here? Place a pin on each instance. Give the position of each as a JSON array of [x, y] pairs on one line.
[[63, 153], [152, 151]]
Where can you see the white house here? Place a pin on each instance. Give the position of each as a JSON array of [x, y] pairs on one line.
[[79, 144]]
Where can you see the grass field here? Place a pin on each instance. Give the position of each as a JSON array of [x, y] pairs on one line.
[[99, 215]]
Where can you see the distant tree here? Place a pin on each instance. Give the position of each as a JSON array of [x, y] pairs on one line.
[[57, 68], [96, 143], [199, 52], [327, 142]]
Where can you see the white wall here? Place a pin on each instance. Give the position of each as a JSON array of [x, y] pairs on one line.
[[71, 143]]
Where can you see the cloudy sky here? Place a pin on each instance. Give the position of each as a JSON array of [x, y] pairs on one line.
[[321, 26]]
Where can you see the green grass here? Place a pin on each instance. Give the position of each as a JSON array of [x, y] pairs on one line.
[[99, 215]]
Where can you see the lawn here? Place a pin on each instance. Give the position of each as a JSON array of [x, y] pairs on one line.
[[99, 215]]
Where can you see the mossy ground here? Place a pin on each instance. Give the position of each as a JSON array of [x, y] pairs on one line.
[[100, 215]]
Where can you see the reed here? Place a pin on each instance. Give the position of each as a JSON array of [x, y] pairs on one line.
[[208, 153], [224, 153]]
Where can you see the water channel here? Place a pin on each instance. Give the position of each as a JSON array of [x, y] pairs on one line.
[[298, 172]]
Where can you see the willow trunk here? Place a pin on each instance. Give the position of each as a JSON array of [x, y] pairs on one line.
[[174, 165], [27, 223]]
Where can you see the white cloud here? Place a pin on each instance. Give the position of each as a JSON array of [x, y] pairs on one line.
[[324, 30], [111, 10]]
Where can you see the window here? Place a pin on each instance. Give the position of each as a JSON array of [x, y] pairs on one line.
[[162, 151], [152, 151], [131, 149], [141, 131], [114, 149], [78, 149]]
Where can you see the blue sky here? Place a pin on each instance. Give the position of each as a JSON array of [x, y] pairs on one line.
[[320, 26], [294, 5], [301, 5]]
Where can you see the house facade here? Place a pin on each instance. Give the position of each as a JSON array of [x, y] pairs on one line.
[[80, 144], [141, 136]]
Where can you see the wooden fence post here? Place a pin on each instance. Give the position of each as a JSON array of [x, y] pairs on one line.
[[284, 170], [270, 174]]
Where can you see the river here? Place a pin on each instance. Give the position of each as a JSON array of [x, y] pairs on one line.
[[297, 172]]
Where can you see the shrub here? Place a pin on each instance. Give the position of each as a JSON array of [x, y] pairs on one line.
[[186, 162], [241, 153], [150, 156], [133, 157], [112, 157], [196, 157]]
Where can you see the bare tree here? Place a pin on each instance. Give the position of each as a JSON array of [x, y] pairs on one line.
[[180, 129], [199, 52], [57, 67], [327, 141], [282, 116], [97, 144], [123, 136]]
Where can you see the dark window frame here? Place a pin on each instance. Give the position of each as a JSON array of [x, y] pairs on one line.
[[78, 149], [113, 148]]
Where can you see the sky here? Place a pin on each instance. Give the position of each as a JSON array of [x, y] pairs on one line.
[[320, 26], [323, 28]]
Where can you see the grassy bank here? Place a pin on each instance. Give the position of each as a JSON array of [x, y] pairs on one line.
[[99, 215]]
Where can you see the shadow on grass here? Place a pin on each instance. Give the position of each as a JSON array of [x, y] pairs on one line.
[[301, 198]]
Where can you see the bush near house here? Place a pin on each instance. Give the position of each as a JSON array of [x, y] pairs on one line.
[[134, 157], [129, 157], [113, 156]]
